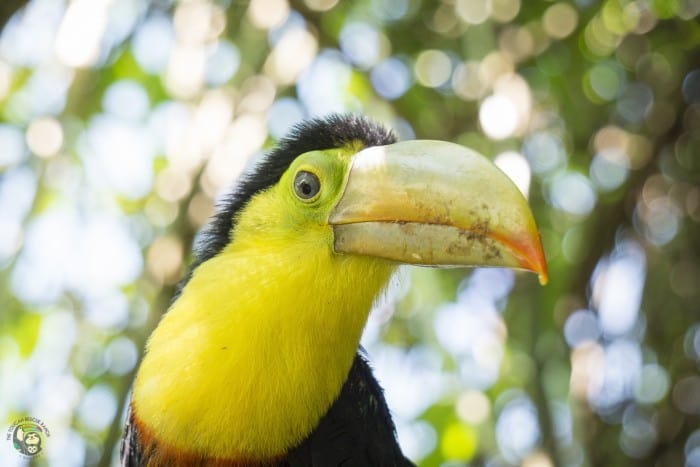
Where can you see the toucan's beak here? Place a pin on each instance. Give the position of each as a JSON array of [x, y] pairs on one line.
[[435, 203]]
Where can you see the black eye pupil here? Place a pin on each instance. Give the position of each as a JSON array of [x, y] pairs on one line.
[[306, 185]]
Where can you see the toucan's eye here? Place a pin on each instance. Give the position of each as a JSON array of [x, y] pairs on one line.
[[306, 185]]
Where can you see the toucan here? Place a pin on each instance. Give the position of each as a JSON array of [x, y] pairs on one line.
[[257, 360]]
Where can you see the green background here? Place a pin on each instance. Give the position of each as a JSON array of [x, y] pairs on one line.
[[123, 120]]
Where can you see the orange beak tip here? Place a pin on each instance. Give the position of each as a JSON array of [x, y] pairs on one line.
[[542, 273], [531, 254]]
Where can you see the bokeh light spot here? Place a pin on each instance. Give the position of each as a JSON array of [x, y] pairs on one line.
[[560, 20], [516, 167], [197, 23], [517, 429], [79, 36], [108, 311], [222, 63], [118, 154], [498, 116], [473, 407], [609, 169], [459, 442], [283, 115], [635, 102], [164, 259], [518, 43], [573, 193], [433, 68], [321, 5], [606, 81], [660, 219], [126, 99], [653, 384], [598, 39], [391, 78], [98, 407], [617, 376], [361, 43], [45, 136], [122, 355], [581, 327], [322, 85], [267, 14], [545, 152], [390, 10], [617, 288], [504, 11], [184, 77], [686, 395], [291, 55], [467, 82], [537, 459], [152, 43], [692, 449], [638, 433], [473, 11]]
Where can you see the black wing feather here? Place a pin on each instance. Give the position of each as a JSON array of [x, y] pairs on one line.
[[357, 431]]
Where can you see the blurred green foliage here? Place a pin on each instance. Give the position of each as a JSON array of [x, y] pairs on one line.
[[123, 120]]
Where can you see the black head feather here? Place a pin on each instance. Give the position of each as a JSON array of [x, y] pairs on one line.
[[334, 131]]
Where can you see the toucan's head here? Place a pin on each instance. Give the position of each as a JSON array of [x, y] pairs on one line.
[[345, 184]]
